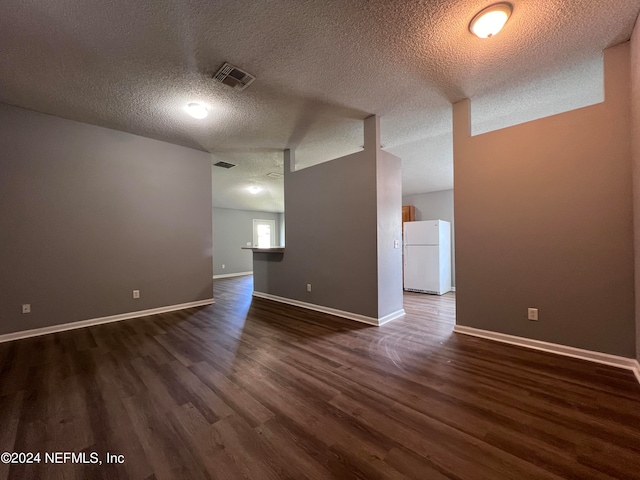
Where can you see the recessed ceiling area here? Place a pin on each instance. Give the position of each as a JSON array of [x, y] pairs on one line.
[[320, 68]]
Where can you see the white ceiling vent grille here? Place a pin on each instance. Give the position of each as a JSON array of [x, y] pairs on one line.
[[224, 165], [275, 175], [233, 77]]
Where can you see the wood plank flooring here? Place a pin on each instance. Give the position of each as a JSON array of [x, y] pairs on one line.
[[247, 388]]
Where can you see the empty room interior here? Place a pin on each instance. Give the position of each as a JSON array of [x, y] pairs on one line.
[[374, 239]]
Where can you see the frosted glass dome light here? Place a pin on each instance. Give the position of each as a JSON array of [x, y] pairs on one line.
[[490, 21], [197, 110]]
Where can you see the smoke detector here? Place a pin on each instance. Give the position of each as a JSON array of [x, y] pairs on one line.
[[233, 77]]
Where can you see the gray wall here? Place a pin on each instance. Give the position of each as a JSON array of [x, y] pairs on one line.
[[389, 215], [282, 236], [635, 132], [89, 214], [332, 235], [232, 229], [544, 219], [436, 206]]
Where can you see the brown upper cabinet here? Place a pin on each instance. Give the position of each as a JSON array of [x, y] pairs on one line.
[[408, 213]]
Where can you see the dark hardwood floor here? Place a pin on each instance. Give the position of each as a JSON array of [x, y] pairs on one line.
[[247, 388]]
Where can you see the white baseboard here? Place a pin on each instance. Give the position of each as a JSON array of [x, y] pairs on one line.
[[453, 289], [391, 316], [597, 357], [228, 275], [8, 337], [332, 311]]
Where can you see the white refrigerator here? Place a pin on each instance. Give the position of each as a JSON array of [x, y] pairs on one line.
[[427, 256]]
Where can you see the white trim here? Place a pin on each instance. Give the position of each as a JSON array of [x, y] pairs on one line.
[[8, 337], [567, 351], [332, 311], [391, 316], [227, 275], [453, 289]]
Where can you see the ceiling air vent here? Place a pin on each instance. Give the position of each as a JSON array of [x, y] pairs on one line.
[[275, 175], [233, 77], [224, 165]]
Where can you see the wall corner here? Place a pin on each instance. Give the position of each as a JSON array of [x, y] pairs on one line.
[[289, 161], [461, 120], [372, 133], [634, 54]]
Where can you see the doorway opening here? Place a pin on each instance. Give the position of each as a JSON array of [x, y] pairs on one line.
[[264, 233]]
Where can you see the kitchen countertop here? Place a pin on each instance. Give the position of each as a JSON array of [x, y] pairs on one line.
[[265, 250]]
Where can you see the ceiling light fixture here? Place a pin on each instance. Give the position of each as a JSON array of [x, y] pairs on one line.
[[490, 21], [253, 189], [197, 110]]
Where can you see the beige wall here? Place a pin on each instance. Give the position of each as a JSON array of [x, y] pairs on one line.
[[544, 219], [635, 146]]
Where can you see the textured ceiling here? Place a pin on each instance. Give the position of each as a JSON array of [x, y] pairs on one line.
[[321, 67]]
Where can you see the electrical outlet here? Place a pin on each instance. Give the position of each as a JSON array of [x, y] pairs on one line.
[[532, 314], [26, 308], [396, 244], [136, 294], [308, 287], [223, 266], [248, 244]]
